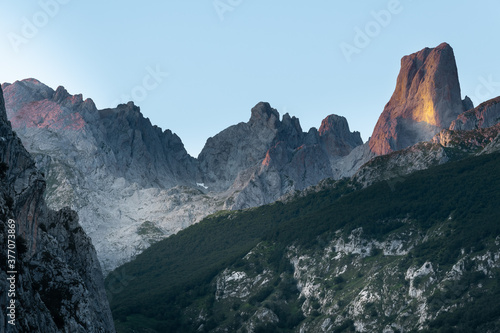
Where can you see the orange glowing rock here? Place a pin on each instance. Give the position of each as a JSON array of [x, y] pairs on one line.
[[426, 99], [47, 114]]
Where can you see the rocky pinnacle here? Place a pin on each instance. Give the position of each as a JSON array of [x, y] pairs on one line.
[[426, 100]]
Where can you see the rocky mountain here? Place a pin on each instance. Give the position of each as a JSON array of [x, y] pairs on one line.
[[259, 161], [448, 145], [418, 254], [353, 241], [409, 243], [130, 182], [485, 115], [120, 137], [58, 285], [238, 147], [134, 184], [426, 99]]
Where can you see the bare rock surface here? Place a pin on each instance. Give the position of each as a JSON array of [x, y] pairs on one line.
[[59, 282], [134, 184], [484, 115], [426, 99]]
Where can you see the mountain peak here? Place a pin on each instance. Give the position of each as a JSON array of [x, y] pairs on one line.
[[32, 81], [337, 137], [263, 113], [443, 45], [60, 94], [130, 106], [333, 123], [484, 115], [425, 100]]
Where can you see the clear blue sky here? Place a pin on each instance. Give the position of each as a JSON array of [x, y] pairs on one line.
[[224, 56]]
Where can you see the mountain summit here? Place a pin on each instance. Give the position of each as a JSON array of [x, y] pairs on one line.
[[57, 284], [426, 100], [133, 183]]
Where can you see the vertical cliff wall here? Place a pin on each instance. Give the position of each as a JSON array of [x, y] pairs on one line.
[[58, 285]]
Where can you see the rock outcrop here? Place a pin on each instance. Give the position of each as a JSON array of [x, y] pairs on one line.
[[59, 284], [238, 147], [426, 99], [446, 146], [144, 153], [298, 162], [120, 137], [484, 115], [259, 161], [336, 137]]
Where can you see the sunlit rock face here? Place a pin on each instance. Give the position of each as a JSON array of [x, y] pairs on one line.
[[426, 99]]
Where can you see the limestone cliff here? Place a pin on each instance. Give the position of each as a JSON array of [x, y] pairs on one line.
[[133, 184], [426, 100], [259, 161], [59, 284], [484, 115], [130, 182]]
